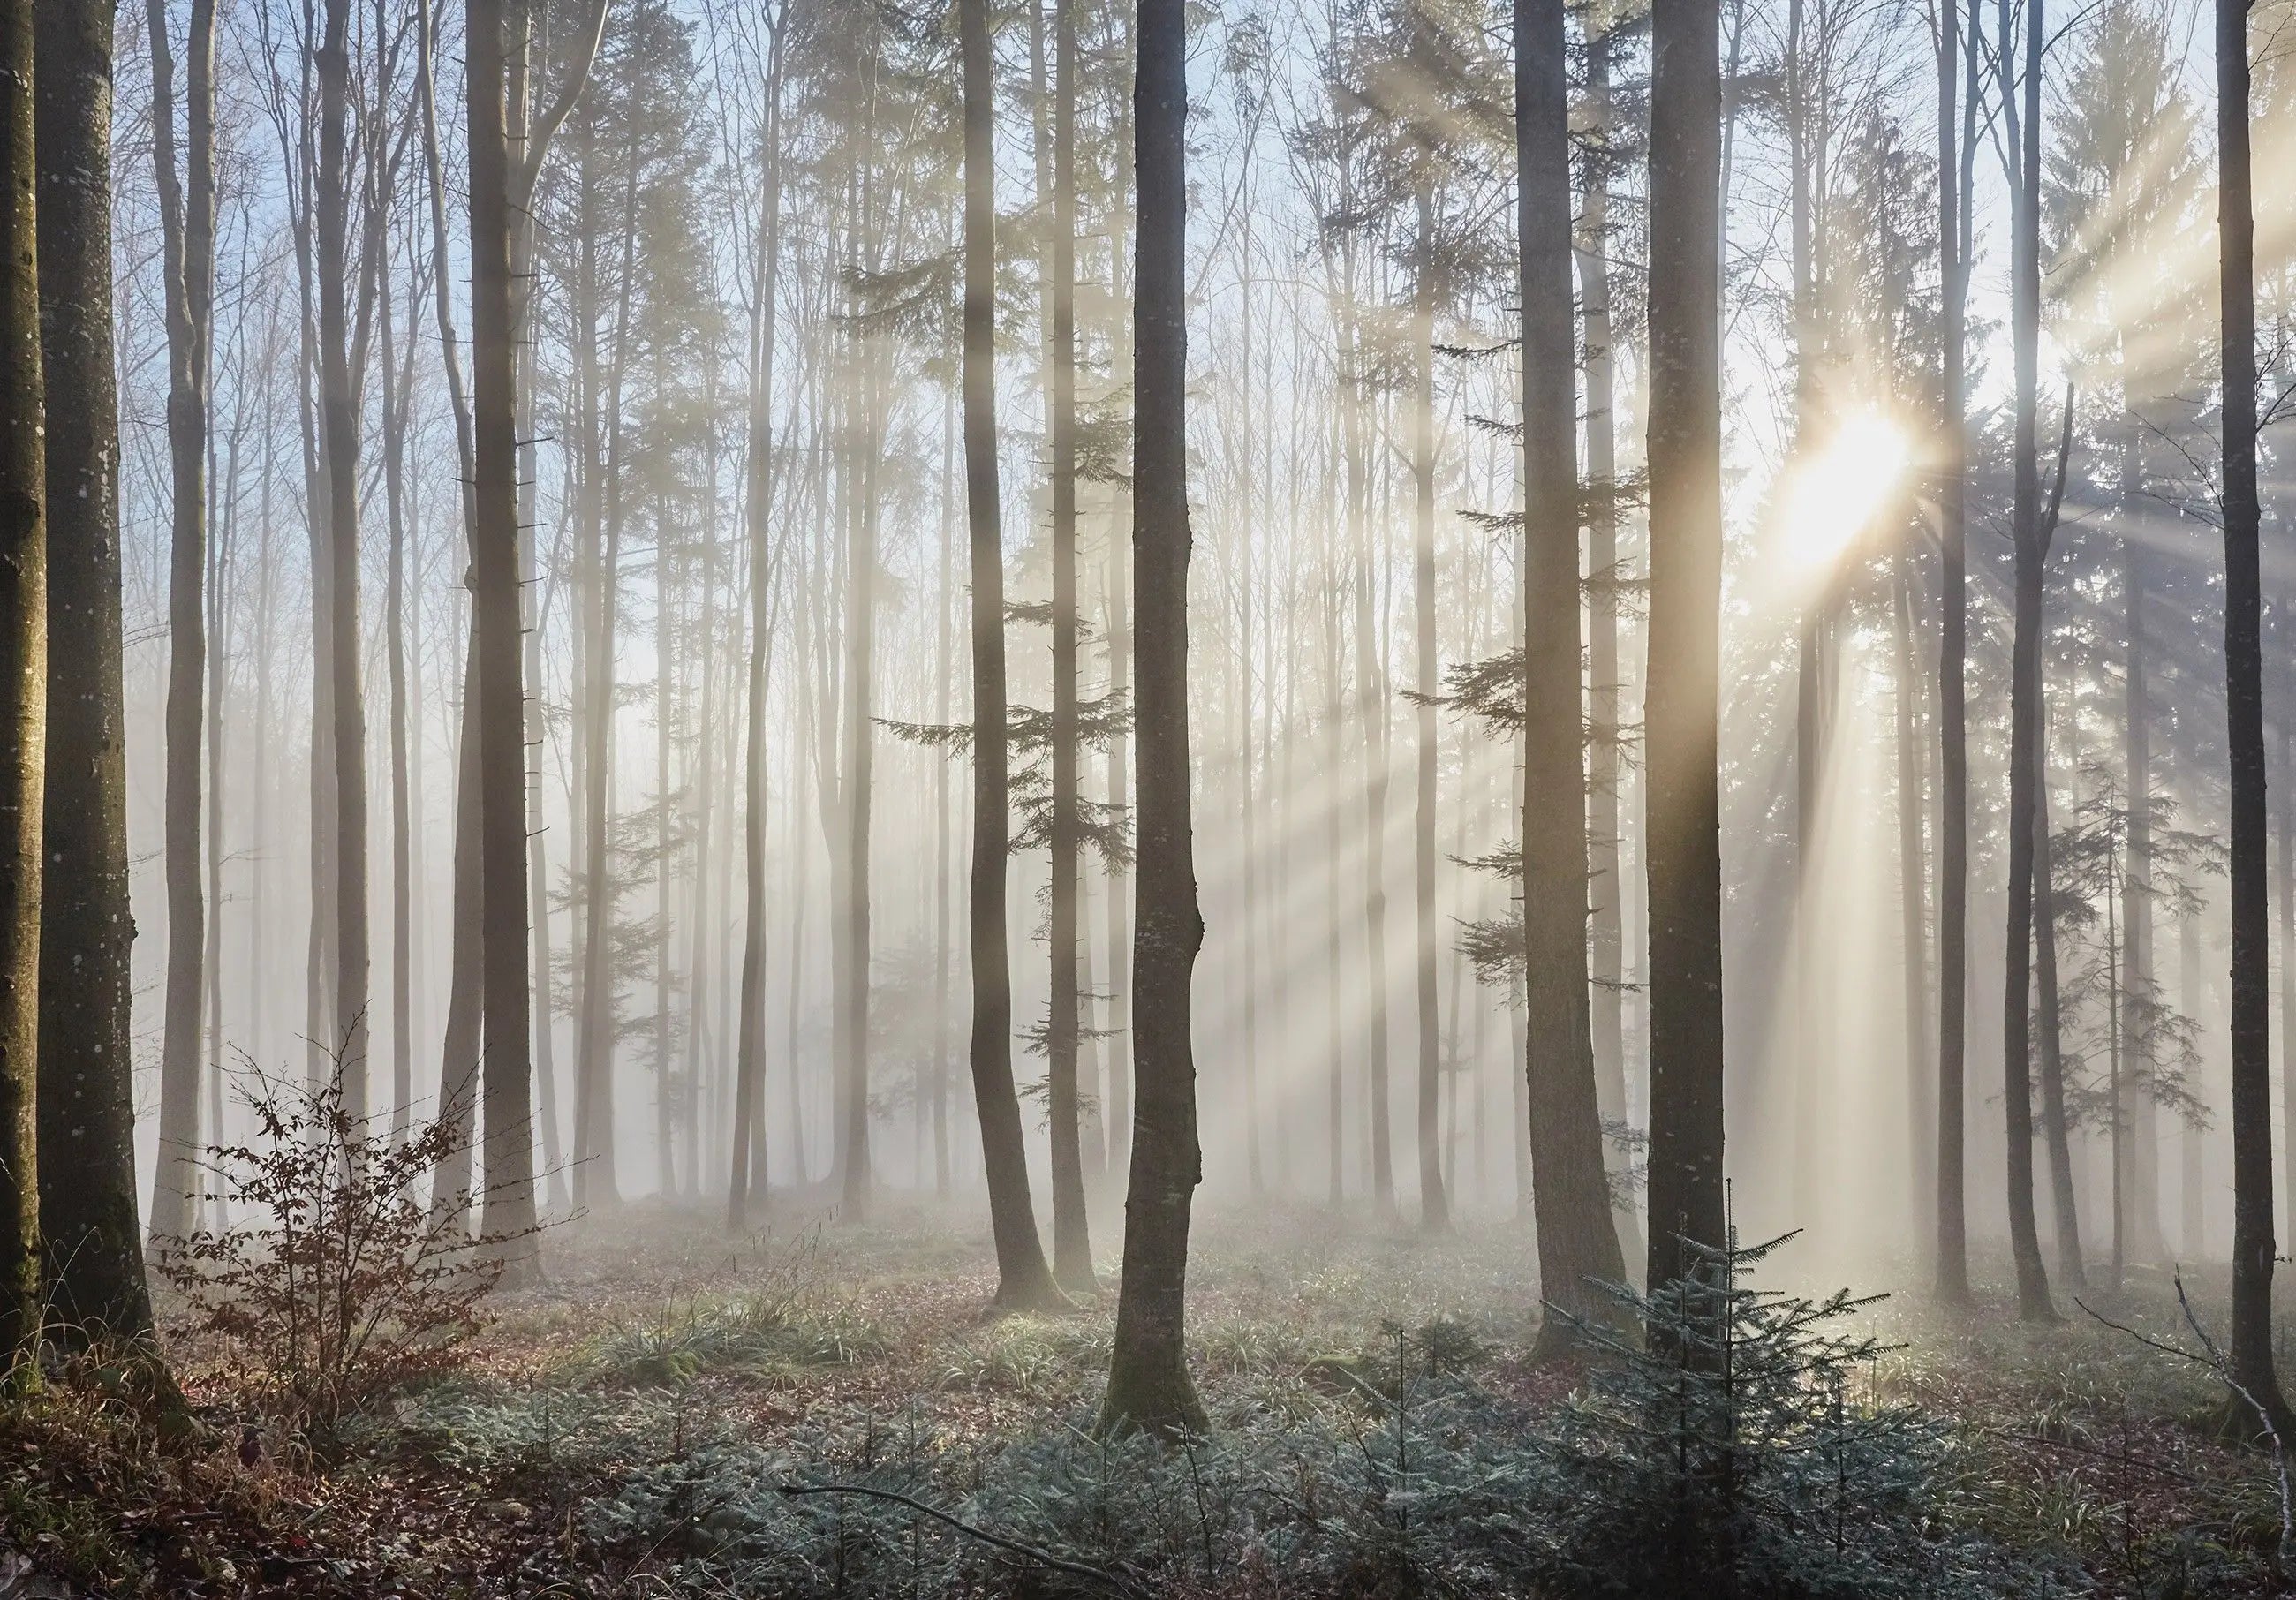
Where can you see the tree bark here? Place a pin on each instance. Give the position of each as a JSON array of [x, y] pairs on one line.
[[2252, 934], [1952, 1279], [509, 1211], [187, 231], [1148, 1383], [1434, 1201], [1071, 1228], [1023, 1278], [1683, 850], [749, 1168], [2031, 549], [23, 691], [1577, 1242], [86, 1106]]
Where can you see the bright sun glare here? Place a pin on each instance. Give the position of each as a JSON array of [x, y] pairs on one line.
[[1837, 491]]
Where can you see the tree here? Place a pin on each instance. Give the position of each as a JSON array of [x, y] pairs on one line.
[[1577, 1242], [1023, 1278], [2030, 534], [187, 233], [1682, 850], [750, 1066], [1148, 1383], [2253, 1248], [86, 1095], [23, 690], [1071, 1230], [1952, 665]]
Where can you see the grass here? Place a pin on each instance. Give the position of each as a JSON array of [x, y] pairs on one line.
[[610, 1432]]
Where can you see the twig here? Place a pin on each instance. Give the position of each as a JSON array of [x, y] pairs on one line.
[[2214, 1360], [1044, 1558]]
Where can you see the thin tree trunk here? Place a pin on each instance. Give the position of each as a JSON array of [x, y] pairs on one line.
[[1912, 923], [87, 1109], [187, 227], [749, 1171], [2031, 547], [1071, 1228], [2054, 1122], [1434, 1202], [1148, 1383], [1023, 1278], [1952, 1284]]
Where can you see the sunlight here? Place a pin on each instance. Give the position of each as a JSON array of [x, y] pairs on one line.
[[1833, 497]]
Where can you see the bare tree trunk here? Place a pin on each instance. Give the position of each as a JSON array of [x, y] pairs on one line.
[[87, 1109], [1953, 658], [1912, 937], [1023, 1278], [2253, 1248], [188, 226], [1071, 1228], [1578, 1242], [2054, 1122], [1148, 1383], [23, 691], [749, 1171], [1434, 1202], [1683, 850], [2025, 690], [1605, 772]]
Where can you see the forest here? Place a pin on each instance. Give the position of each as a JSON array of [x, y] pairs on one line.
[[1243, 798]]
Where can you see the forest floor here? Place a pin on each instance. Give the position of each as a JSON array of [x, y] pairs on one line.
[[626, 1429]]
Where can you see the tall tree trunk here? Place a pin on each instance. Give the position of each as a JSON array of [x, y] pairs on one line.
[[187, 230], [2055, 1125], [1577, 1242], [497, 621], [1434, 1203], [1023, 1278], [1952, 1285], [86, 1106], [1912, 924], [1605, 772], [2252, 933], [339, 413], [23, 694], [1071, 1228], [2136, 990], [2031, 545], [1148, 1383], [1683, 850], [398, 389], [749, 1168]]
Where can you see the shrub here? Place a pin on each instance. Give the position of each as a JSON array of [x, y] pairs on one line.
[[339, 1282]]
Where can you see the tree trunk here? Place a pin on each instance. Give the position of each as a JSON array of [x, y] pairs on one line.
[[749, 1168], [1578, 1242], [187, 228], [2031, 547], [23, 606], [23, 692], [1912, 924], [87, 1108], [1952, 1285], [1071, 1228], [1023, 1278], [1682, 851], [2053, 1123], [1434, 1202], [2252, 933], [497, 621], [1148, 1383], [1606, 771]]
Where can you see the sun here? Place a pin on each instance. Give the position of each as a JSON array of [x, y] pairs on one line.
[[1831, 497]]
